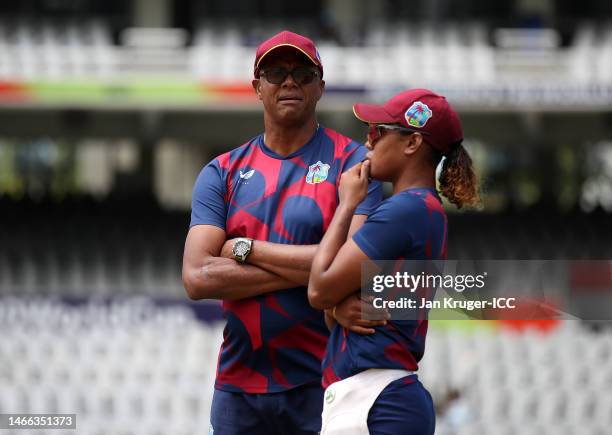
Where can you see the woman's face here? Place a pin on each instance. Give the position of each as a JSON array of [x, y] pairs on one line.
[[385, 152]]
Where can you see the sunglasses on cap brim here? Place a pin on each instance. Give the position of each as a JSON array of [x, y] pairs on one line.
[[376, 131]]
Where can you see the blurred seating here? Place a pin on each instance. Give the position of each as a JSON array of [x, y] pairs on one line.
[[450, 54], [116, 378], [56, 50], [526, 394], [91, 251], [82, 248], [224, 51], [150, 374]]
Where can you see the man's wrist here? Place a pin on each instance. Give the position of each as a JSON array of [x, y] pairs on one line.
[[241, 249]]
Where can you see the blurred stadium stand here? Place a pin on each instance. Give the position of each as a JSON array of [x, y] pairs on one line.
[[72, 249], [451, 55], [518, 382], [81, 247], [55, 51], [129, 369], [144, 370], [108, 110]]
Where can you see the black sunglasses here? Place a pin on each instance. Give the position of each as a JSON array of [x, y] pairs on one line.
[[376, 131], [302, 75]]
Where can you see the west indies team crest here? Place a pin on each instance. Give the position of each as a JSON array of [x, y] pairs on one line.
[[418, 114], [317, 173]]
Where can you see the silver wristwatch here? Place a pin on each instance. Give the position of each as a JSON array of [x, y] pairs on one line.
[[242, 249]]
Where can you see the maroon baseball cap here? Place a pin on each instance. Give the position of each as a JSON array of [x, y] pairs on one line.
[[288, 39], [419, 110]]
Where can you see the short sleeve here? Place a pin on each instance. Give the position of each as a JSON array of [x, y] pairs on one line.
[[392, 229], [208, 205], [374, 189]]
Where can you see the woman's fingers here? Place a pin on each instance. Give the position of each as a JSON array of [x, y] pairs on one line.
[[364, 173], [370, 323], [368, 310], [362, 331]]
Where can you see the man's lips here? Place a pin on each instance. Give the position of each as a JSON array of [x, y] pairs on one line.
[[289, 98]]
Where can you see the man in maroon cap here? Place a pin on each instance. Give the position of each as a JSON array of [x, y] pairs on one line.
[[258, 213]]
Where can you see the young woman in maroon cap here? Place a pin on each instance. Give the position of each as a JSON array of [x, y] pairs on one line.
[[370, 377]]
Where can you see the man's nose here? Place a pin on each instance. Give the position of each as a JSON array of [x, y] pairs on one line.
[[289, 81]]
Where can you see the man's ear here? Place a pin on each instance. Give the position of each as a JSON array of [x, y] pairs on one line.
[[321, 89], [257, 87], [413, 143]]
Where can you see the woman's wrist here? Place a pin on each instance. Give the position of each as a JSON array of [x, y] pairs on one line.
[[346, 207]]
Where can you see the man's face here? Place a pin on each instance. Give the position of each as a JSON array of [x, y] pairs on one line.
[[288, 103]]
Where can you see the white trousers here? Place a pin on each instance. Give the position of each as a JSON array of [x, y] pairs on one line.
[[347, 402]]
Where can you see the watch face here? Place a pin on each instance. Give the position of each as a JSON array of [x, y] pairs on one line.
[[241, 248]]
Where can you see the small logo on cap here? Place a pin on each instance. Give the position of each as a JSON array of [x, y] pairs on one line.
[[418, 114]]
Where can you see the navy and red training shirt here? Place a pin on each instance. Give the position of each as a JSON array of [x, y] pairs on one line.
[[276, 341], [410, 225]]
